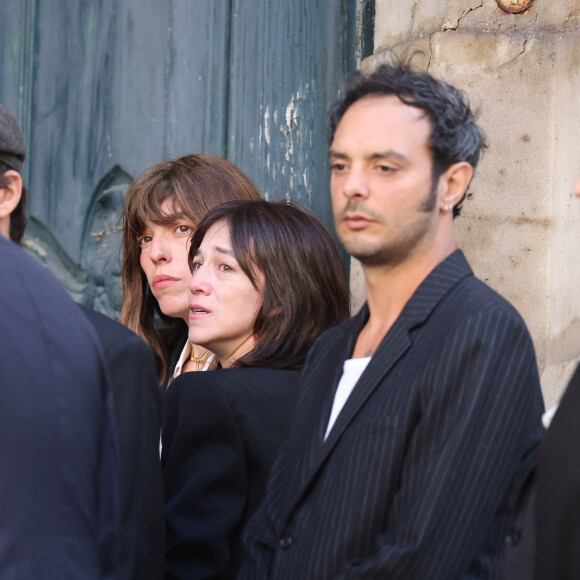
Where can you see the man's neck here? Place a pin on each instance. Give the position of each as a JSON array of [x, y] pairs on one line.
[[388, 289]]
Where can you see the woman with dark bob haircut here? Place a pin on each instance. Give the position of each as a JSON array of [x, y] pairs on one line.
[[162, 208], [267, 280]]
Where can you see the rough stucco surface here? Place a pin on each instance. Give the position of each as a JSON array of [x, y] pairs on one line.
[[520, 227], [397, 21]]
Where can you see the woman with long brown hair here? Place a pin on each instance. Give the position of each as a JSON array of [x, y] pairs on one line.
[[267, 281], [162, 208]]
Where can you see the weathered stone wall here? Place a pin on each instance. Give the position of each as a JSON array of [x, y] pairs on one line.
[[520, 227]]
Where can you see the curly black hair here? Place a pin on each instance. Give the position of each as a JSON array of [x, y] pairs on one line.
[[454, 134]]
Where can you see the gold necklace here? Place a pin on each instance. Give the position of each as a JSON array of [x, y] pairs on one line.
[[202, 358]]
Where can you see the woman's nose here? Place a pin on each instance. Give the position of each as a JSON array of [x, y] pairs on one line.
[[160, 250], [199, 283]]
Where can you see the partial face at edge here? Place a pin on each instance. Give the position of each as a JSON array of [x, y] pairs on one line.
[[164, 261], [576, 189], [10, 194], [224, 302]]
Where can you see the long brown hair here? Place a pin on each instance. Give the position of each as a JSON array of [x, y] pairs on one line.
[[305, 285], [195, 184]]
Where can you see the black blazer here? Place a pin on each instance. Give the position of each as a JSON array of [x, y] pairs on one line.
[[221, 431], [558, 492], [137, 404], [58, 483], [421, 467], [544, 539]]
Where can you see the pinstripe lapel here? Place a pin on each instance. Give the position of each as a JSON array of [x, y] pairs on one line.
[[309, 450], [392, 348], [318, 388]]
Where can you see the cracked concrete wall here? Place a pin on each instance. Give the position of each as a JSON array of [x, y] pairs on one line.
[[397, 21], [520, 227]]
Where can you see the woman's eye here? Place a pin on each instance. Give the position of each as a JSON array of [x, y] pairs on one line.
[[225, 268], [195, 266], [143, 240], [183, 229]]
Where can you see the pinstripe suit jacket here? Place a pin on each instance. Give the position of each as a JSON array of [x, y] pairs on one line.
[[418, 474]]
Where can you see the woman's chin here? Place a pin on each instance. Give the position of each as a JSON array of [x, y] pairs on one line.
[[199, 342], [176, 314]]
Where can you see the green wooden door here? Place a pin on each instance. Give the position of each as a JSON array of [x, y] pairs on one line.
[[105, 88]]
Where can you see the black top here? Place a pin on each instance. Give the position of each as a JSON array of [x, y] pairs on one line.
[[221, 432]]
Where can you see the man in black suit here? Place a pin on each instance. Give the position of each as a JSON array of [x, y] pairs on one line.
[[546, 524], [136, 400], [59, 499], [417, 418]]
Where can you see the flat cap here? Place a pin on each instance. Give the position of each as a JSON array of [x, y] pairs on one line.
[[12, 150]]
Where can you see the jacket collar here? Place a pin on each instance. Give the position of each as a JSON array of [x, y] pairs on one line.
[[435, 286], [313, 415]]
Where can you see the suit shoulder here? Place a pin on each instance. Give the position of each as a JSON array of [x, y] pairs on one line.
[[233, 385], [112, 333], [41, 314], [21, 272], [472, 297], [250, 378]]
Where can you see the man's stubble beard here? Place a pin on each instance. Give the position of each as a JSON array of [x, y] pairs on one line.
[[392, 252]]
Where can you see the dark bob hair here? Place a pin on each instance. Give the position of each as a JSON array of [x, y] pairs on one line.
[[454, 135], [305, 289]]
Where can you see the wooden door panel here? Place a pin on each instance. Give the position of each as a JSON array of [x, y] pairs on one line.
[[105, 88]]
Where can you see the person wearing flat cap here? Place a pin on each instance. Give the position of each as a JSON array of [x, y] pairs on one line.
[[81, 489], [63, 487], [58, 483]]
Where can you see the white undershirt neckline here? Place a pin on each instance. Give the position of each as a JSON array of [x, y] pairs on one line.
[[352, 369], [185, 354]]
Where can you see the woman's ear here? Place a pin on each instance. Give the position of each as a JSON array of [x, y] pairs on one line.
[[10, 195], [453, 185]]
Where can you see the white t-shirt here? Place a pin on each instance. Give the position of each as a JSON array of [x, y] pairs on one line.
[[352, 369]]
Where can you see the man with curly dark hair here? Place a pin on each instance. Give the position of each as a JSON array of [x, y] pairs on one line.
[[418, 416]]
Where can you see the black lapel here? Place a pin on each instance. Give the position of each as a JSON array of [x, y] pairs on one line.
[[318, 386], [310, 452]]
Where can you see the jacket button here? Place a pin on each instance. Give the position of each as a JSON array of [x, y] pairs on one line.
[[286, 542], [514, 538]]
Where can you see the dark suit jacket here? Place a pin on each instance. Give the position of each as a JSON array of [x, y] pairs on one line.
[[58, 482], [221, 432], [544, 539], [557, 523], [520, 538], [419, 471], [137, 403]]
